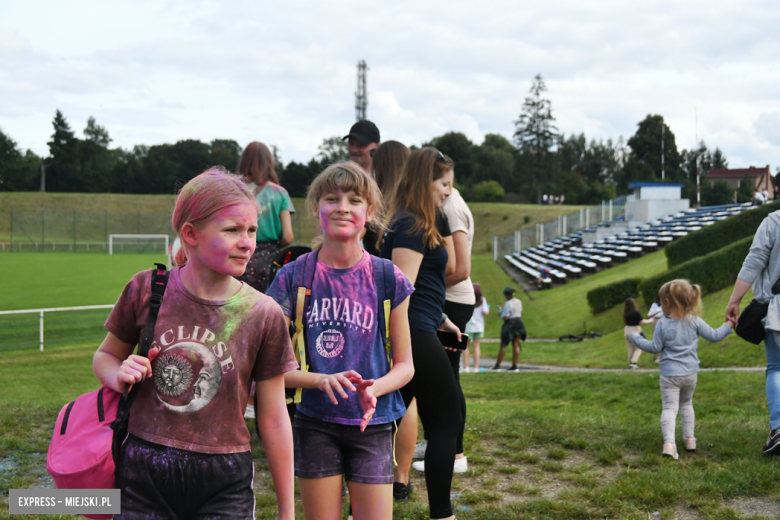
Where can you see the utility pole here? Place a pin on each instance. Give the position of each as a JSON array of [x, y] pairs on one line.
[[361, 97], [43, 177], [663, 134], [698, 174]]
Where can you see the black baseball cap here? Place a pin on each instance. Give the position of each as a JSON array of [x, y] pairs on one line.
[[509, 290], [365, 132]]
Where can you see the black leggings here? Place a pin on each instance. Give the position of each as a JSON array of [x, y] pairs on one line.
[[436, 391], [459, 314]]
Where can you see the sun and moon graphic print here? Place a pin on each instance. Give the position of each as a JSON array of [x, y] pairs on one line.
[[187, 374]]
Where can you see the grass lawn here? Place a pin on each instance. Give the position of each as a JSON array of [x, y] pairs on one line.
[[44, 280], [563, 309], [542, 446], [609, 351]]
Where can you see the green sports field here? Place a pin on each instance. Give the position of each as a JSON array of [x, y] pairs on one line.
[[41, 280]]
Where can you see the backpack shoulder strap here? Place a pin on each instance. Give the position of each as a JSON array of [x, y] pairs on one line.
[[303, 279], [384, 279], [159, 281]]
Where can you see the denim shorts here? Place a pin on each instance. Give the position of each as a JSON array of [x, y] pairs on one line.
[[324, 449]]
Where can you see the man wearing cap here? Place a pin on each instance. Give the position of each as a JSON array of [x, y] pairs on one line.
[[513, 329], [363, 138]]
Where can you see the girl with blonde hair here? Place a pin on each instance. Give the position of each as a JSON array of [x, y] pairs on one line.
[[338, 435], [676, 338]]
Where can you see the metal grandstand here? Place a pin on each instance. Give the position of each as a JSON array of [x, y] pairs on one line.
[[567, 257]]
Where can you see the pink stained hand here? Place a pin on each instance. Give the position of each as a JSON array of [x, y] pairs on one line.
[[338, 382], [135, 369], [367, 398]]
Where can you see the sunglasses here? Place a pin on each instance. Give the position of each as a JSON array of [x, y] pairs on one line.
[[441, 157]]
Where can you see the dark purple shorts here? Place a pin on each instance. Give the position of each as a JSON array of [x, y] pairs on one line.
[[324, 449], [159, 482]]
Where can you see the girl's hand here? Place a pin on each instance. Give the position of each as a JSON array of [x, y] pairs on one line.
[[338, 382], [732, 323], [135, 369], [448, 326], [365, 391]]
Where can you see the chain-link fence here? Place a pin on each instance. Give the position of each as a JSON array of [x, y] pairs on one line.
[[562, 226], [89, 231]]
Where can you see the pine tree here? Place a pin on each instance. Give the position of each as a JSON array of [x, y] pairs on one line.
[[535, 134]]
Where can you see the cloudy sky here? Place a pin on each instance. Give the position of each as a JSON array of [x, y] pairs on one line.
[[284, 73]]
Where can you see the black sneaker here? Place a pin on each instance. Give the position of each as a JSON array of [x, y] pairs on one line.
[[513, 368], [496, 367], [772, 446], [401, 491]]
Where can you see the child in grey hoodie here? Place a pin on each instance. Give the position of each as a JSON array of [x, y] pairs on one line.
[[676, 338]]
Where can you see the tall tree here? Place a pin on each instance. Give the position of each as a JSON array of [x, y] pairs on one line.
[[459, 148], [97, 162], [18, 171], [64, 165], [96, 133], [645, 147], [535, 134], [333, 149]]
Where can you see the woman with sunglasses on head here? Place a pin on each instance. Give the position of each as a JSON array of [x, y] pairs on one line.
[[417, 240]]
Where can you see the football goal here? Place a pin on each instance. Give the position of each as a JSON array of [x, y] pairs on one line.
[[138, 244]]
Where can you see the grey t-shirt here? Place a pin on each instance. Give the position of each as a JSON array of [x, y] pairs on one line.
[[678, 342]]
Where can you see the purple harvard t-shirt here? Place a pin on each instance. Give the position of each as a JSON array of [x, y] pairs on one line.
[[342, 334], [210, 353]]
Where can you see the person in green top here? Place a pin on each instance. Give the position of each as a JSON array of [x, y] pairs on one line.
[[274, 224]]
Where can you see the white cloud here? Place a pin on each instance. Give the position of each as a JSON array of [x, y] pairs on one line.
[[284, 72]]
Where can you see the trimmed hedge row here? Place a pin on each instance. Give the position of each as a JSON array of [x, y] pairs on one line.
[[719, 235], [604, 297], [712, 272]]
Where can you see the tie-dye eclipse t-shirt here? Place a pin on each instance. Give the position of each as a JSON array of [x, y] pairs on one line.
[[210, 353], [342, 334]]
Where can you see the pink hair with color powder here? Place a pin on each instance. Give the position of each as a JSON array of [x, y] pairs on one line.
[[205, 195]]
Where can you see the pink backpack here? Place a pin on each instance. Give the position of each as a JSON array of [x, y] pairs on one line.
[[90, 430]]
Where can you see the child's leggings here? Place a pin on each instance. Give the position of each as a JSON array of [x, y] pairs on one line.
[[677, 395]]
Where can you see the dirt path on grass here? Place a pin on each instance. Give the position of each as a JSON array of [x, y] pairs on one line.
[[486, 365]]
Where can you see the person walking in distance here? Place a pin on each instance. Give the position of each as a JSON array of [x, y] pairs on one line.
[[633, 323], [362, 140], [513, 329], [475, 328]]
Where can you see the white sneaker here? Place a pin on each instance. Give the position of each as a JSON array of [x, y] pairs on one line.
[[670, 450], [461, 465], [419, 450], [250, 412]]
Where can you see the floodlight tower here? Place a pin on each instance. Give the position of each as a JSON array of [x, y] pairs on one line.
[[361, 96]]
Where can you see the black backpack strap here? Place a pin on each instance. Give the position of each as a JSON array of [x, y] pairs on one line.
[[159, 282]]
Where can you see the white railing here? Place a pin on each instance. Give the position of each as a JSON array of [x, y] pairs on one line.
[[55, 309], [562, 226]]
